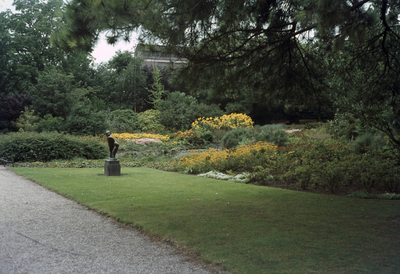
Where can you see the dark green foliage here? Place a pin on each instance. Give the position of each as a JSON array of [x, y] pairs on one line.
[[272, 134], [332, 164], [312, 125], [268, 133], [238, 107], [54, 94], [84, 120], [364, 195], [11, 106], [26, 49], [49, 123], [177, 111], [194, 138], [346, 125], [370, 141], [122, 120], [235, 136], [32, 146], [131, 85], [121, 82], [207, 136], [203, 110]]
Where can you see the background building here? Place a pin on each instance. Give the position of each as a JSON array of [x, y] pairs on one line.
[[157, 56]]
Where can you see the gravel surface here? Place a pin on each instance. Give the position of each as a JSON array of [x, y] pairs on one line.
[[43, 232]]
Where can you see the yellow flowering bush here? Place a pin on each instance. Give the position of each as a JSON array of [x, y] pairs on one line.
[[231, 121], [128, 136], [123, 136], [190, 136], [243, 158]]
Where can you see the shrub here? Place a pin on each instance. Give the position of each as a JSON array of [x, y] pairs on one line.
[[194, 137], [33, 146], [203, 110], [243, 158], [369, 140], [191, 137], [330, 164], [234, 137], [83, 120], [123, 136], [384, 196], [11, 106], [177, 111], [149, 121], [272, 134], [321, 163], [347, 126], [241, 107], [26, 121], [50, 123], [122, 120], [207, 136], [231, 121]]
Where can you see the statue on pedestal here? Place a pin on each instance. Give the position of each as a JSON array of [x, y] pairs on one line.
[[112, 166], [112, 144]]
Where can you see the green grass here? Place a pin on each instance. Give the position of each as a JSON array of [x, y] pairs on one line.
[[246, 228]]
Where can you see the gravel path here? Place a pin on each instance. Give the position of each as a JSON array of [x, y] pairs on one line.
[[43, 232]]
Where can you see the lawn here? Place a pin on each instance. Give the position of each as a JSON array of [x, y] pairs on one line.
[[245, 228]]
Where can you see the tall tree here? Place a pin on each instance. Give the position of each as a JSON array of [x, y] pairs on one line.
[[55, 94], [121, 82], [131, 83], [26, 48]]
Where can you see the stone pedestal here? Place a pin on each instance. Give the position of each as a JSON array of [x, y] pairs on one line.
[[112, 167]]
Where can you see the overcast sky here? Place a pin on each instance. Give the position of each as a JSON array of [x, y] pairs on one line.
[[102, 52]]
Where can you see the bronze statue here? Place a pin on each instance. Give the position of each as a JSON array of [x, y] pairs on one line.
[[112, 144]]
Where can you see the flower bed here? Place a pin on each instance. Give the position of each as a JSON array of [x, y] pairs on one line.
[[243, 158]]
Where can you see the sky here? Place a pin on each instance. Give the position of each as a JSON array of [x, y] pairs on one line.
[[102, 52]]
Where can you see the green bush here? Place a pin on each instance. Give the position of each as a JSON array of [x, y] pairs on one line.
[[207, 136], [234, 137], [122, 120], [203, 110], [27, 121], [345, 125], [50, 123], [33, 146], [369, 140], [177, 111], [194, 137], [85, 120], [149, 121], [330, 164], [384, 196], [272, 134]]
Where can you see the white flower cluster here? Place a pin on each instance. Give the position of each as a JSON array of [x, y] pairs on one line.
[[240, 178]]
